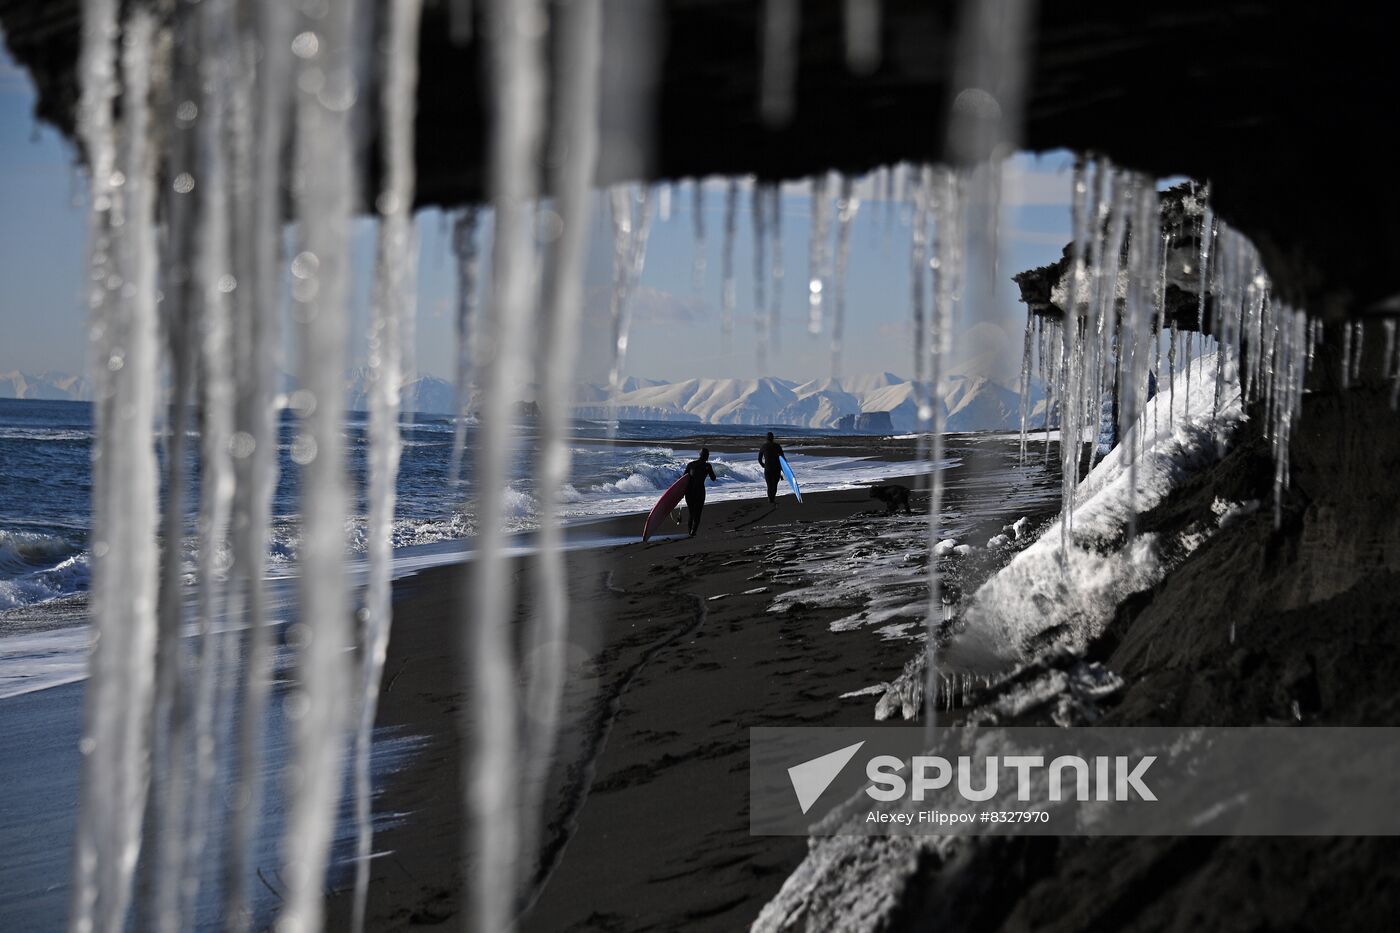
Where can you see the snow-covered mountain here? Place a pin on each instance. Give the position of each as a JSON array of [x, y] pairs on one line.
[[426, 395], [971, 403], [47, 385]]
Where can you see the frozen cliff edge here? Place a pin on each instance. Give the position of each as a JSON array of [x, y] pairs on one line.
[[1064, 588]]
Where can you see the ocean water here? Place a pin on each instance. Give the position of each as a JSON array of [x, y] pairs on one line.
[[46, 489]]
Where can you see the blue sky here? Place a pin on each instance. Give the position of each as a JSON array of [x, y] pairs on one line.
[[676, 332]]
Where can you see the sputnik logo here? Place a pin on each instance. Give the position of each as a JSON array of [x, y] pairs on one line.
[[811, 778]]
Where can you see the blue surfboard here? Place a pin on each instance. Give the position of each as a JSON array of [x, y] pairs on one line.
[[792, 480]]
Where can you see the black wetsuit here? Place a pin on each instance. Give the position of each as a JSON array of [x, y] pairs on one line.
[[770, 458], [695, 490]]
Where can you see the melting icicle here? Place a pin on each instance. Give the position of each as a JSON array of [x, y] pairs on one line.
[[775, 291], [727, 295], [258, 254], [1072, 333], [577, 136], [816, 253], [464, 248], [396, 267], [317, 707], [846, 207], [862, 22], [171, 740], [759, 204], [631, 223], [948, 261], [493, 795], [1134, 370], [778, 82], [118, 698], [1358, 344], [697, 213], [918, 282], [214, 285], [459, 21]]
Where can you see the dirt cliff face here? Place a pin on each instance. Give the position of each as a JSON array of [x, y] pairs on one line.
[[1279, 106]]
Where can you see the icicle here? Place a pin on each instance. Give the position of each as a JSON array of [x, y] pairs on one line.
[[1186, 402], [1171, 375], [727, 294], [631, 223], [259, 310], [576, 135], [778, 82], [846, 207], [118, 698], [948, 260], [396, 269], [1025, 382], [1133, 359], [1073, 333], [1207, 238], [459, 21], [464, 249], [775, 291], [1111, 293], [1388, 366], [172, 720], [862, 22], [816, 253], [1358, 346], [918, 281], [697, 213], [1161, 326], [759, 197], [663, 202], [493, 794], [214, 283], [325, 192]]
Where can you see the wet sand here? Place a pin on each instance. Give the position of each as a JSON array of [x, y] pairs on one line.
[[674, 657]]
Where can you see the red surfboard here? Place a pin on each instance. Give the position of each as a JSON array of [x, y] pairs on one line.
[[665, 504]]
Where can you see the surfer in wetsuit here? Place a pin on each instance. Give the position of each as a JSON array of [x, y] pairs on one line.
[[695, 489], [770, 458]]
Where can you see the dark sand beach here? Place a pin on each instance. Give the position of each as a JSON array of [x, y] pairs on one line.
[[674, 656]]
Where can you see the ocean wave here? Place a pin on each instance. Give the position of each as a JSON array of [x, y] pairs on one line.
[[22, 552], [646, 476], [68, 578], [44, 434]]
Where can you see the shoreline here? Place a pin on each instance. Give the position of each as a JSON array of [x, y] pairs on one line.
[[53, 633], [676, 651]]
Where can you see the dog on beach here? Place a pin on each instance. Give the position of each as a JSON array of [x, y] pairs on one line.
[[894, 496]]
